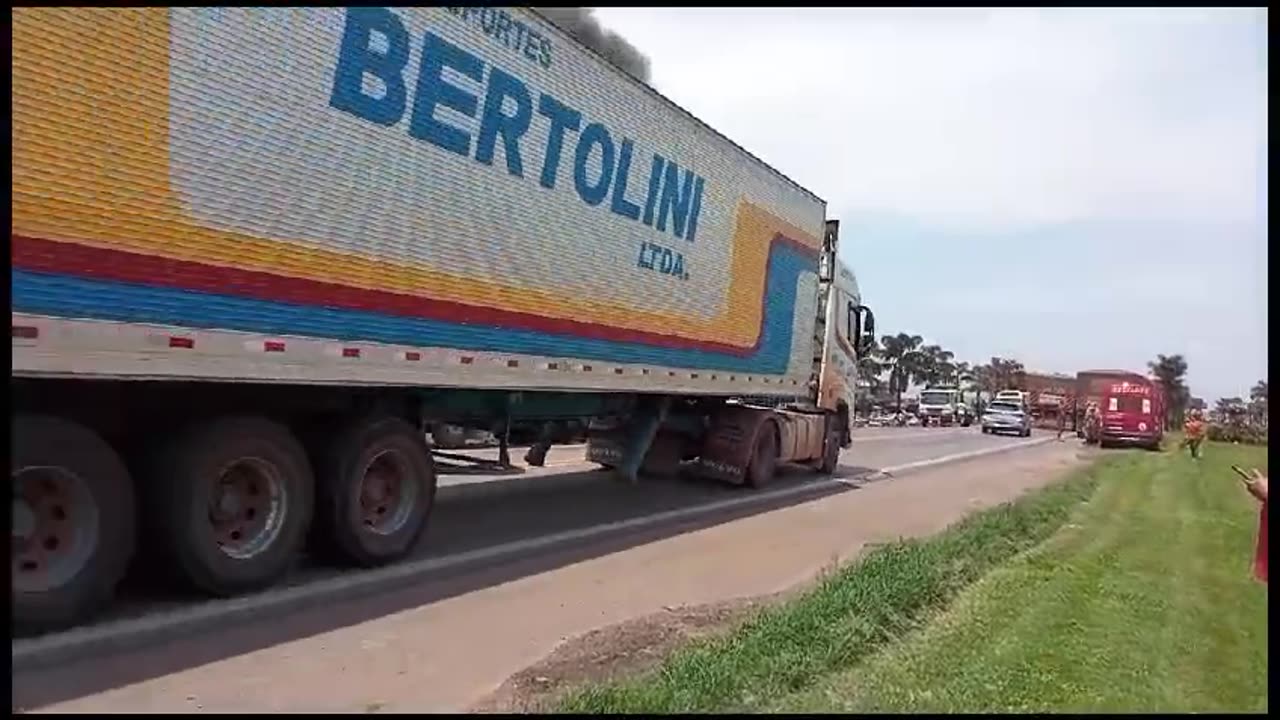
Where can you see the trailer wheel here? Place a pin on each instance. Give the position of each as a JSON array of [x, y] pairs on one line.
[[231, 501], [764, 457], [73, 522], [377, 484]]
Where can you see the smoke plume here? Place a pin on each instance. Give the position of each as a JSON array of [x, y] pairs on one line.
[[583, 26]]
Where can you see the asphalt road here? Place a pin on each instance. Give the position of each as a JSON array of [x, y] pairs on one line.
[[485, 530], [475, 512]]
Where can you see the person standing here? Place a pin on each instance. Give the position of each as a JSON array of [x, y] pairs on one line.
[[1092, 423], [1257, 487], [1063, 409], [1193, 433]]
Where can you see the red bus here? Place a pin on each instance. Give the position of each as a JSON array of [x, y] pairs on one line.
[[1132, 413]]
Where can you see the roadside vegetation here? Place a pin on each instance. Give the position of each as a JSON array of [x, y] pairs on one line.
[[1126, 587]]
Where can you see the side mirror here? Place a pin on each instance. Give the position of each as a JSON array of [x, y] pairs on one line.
[[867, 338]]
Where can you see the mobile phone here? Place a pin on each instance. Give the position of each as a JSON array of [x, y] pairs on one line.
[[1241, 472]]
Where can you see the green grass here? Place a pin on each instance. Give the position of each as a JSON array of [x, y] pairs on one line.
[[1126, 587], [1144, 602], [880, 598]]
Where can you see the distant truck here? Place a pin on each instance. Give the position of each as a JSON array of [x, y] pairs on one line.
[[944, 406], [258, 253], [1131, 407], [1048, 396]]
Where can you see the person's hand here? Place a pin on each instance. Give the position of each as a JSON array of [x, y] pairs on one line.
[[1257, 484]]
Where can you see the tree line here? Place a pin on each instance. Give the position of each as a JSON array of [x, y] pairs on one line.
[[1171, 371], [898, 361]]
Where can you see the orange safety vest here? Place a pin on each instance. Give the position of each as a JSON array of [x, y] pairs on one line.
[[1194, 429]]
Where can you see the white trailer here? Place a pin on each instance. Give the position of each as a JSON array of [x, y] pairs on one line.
[[258, 253]]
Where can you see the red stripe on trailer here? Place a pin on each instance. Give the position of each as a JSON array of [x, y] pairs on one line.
[[68, 257]]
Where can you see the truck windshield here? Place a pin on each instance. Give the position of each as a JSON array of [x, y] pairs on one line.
[[935, 398]]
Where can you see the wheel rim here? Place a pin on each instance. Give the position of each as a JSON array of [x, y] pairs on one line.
[[55, 527], [388, 493], [247, 508]]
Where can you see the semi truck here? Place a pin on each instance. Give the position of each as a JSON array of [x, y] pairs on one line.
[[1048, 396], [258, 253], [945, 406]]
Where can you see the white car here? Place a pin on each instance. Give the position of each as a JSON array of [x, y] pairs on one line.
[[1006, 416], [1014, 396]]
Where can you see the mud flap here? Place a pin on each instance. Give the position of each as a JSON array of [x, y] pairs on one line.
[[727, 449], [637, 437]]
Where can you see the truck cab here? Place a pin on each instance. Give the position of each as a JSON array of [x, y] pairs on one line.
[[846, 329], [944, 406]]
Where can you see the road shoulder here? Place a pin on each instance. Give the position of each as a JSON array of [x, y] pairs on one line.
[[641, 644]]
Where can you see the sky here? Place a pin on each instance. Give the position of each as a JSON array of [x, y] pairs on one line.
[[1075, 188]]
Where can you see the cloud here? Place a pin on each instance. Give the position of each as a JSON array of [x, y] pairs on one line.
[[986, 118], [1075, 187]]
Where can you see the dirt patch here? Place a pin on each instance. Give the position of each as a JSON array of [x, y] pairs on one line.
[[625, 649]]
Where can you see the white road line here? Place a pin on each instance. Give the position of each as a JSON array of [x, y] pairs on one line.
[[941, 432], [956, 457], [67, 645]]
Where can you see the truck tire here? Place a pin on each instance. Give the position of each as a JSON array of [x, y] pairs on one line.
[[73, 529], [376, 486], [764, 457], [830, 453], [230, 502]]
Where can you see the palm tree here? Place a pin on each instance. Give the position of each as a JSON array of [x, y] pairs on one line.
[[1229, 407], [1258, 402], [937, 366], [901, 354], [1171, 370], [869, 369], [1005, 374], [983, 379]]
